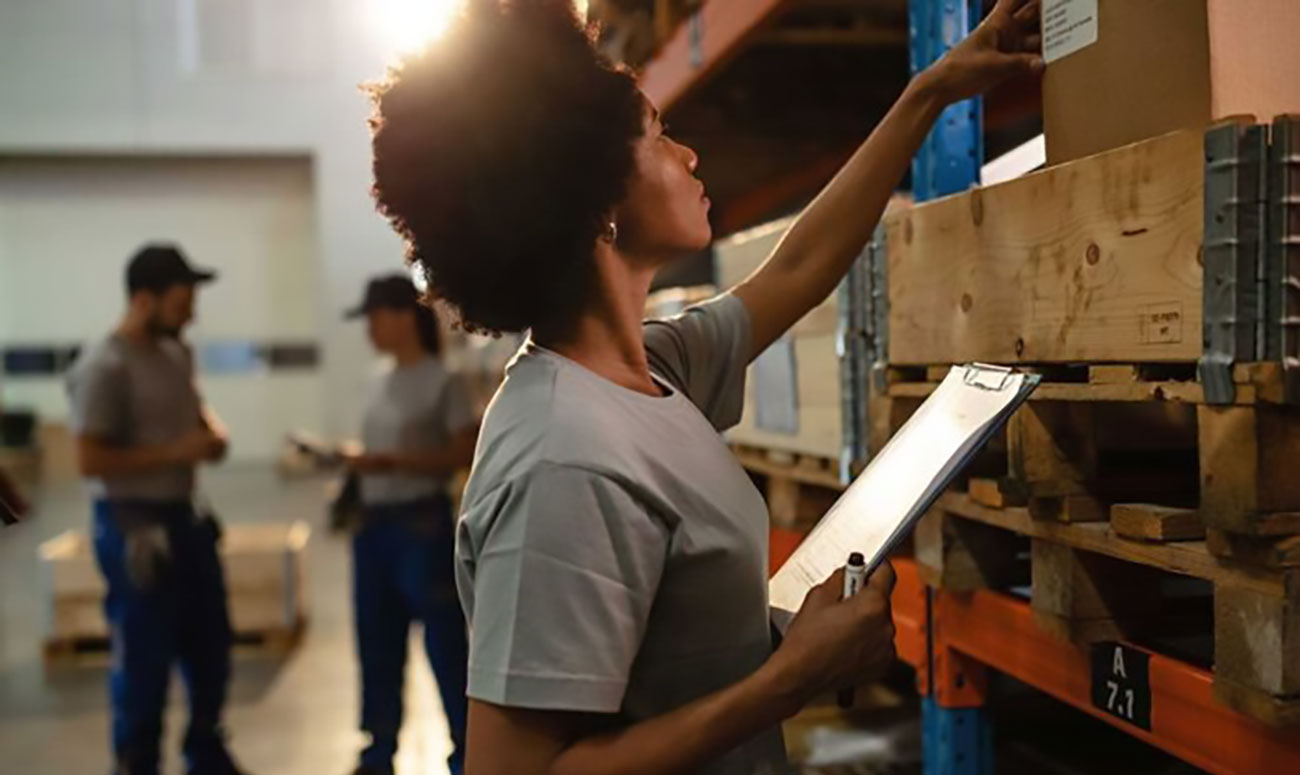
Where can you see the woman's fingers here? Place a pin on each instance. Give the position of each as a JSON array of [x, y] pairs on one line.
[[1011, 6], [828, 591], [1028, 13]]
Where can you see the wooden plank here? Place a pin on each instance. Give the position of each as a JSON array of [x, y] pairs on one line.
[[1276, 553], [1179, 392], [1189, 558], [937, 373], [994, 493], [1274, 711], [1247, 457], [1105, 374], [759, 462], [1052, 448], [1147, 522], [1266, 379], [1083, 596], [960, 555], [1256, 637], [796, 506], [1068, 508], [1095, 260]]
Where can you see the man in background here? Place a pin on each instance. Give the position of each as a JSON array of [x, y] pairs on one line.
[[142, 430]]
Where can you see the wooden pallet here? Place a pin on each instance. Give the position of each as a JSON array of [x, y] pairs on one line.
[[799, 488], [264, 575], [1091, 584], [96, 650], [1094, 435]]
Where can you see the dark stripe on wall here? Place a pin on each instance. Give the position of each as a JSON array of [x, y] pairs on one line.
[[216, 357]]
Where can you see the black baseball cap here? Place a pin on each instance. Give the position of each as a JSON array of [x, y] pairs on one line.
[[157, 267], [394, 291]]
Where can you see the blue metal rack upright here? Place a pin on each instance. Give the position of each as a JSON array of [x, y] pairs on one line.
[[955, 740], [949, 161]]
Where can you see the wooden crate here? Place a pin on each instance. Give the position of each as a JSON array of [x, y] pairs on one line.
[[264, 569], [812, 344], [1095, 260], [1090, 584]]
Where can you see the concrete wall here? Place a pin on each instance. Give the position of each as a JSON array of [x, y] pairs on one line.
[[175, 79], [68, 224]]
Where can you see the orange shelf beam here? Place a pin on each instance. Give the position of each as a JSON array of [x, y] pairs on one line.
[[999, 631], [908, 605], [702, 45]]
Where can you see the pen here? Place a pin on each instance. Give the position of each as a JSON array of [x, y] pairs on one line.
[[855, 572]]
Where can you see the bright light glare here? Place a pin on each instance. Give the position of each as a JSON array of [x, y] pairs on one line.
[[410, 25]]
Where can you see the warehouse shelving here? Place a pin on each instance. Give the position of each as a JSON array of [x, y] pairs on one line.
[[954, 638]]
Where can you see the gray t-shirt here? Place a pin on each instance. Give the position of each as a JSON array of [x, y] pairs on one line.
[[129, 394], [611, 553], [411, 409]]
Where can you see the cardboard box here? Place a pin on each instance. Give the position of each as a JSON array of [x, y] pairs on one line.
[[1162, 65]]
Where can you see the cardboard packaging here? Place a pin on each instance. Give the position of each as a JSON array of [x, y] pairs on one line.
[[1161, 65]]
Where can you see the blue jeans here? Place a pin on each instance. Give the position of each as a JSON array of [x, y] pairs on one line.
[[403, 571], [181, 617]]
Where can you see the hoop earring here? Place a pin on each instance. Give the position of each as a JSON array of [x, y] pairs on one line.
[[611, 233]]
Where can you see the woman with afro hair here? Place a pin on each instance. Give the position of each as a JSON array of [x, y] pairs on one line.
[[611, 553]]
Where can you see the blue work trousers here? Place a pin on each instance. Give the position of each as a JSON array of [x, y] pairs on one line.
[[402, 572], [179, 617]]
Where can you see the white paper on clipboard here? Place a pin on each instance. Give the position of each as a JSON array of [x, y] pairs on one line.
[[906, 477]]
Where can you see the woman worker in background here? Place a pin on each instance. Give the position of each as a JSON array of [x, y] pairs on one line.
[[611, 552], [419, 429]]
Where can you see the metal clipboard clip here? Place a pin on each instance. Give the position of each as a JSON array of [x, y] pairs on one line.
[[987, 377]]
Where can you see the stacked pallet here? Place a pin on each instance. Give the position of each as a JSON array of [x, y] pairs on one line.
[[1164, 433], [264, 569], [791, 432], [792, 399], [1145, 491]]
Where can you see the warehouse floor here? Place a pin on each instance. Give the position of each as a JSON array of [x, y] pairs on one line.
[[296, 715], [292, 716]]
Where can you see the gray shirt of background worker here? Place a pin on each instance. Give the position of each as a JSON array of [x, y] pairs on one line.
[[410, 409], [128, 395], [612, 554]]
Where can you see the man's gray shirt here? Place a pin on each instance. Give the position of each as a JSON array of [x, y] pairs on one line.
[[611, 553], [129, 394]]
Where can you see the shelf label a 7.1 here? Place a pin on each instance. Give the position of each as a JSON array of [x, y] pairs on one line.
[[1121, 683]]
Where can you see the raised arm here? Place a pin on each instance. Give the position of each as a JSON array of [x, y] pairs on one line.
[[818, 250]]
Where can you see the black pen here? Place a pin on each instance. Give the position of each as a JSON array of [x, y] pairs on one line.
[[855, 572]]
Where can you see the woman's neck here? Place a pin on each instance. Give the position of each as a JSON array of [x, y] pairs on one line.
[[606, 338]]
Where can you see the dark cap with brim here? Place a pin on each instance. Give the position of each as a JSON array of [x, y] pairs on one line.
[[158, 267], [388, 292]]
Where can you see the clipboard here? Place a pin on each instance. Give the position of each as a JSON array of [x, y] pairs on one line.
[[323, 454], [906, 477]]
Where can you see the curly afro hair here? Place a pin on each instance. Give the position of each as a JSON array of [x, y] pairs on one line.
[[498, 154]]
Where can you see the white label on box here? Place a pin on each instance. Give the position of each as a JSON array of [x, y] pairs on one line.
[[1068, 26]]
